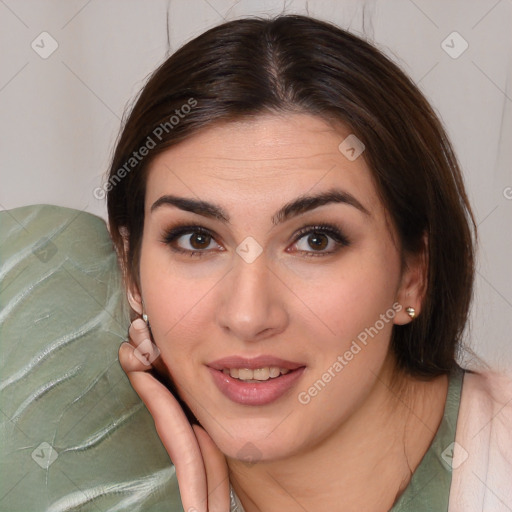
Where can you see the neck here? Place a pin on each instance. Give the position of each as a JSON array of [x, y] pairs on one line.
[[365, 464]]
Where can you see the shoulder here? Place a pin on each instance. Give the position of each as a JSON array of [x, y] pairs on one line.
[[482, 462], [486, 403], [487, 391]]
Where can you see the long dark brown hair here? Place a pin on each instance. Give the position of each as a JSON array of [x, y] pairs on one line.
[[299, 64]]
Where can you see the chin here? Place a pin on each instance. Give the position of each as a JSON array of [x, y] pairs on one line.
[[250, 453], [256, 448]]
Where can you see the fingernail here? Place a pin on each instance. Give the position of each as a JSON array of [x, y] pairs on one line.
[[146, 352]]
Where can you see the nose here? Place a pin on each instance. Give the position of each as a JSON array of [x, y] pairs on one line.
[[251, 306]]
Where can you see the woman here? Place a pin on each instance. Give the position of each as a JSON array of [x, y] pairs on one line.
[[295, 234]]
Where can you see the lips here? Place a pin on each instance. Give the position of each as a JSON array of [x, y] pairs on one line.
[[252, 393], [253, 363]]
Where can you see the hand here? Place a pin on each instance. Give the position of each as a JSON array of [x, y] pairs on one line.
[[201, 467]]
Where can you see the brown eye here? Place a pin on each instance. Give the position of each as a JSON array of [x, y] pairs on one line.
[[321, 240], [200, 240], [318, 241], [191, 240]]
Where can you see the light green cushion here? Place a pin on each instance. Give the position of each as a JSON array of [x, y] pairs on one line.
[[63, 314]]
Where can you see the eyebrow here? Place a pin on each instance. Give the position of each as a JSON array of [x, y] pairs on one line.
[[298, 206]]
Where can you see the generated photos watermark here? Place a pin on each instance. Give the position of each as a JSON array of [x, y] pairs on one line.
[[150, 143], [343, 360]]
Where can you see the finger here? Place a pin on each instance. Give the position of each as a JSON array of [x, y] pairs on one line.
[[145, 350], [177, 437], [129, 362], [216, 472], [138, 331]]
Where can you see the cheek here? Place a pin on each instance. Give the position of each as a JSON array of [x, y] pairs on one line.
[[344, 298], [351, 329], [355, 308], [177, 299]]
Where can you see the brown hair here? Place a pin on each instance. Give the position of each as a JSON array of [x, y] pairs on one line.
[[299, 64]]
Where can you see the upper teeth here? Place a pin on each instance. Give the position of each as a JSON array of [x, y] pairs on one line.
[[268, 372]]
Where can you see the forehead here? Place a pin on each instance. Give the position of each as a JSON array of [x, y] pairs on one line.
[[265, 160]]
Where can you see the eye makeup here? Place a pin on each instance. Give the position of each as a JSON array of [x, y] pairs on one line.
[[203, 236]]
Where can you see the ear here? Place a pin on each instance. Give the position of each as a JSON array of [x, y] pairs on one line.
[[132, 291], [413, 285], [134, 298]]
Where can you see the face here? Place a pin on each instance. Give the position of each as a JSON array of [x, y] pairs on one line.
[[234, 265]]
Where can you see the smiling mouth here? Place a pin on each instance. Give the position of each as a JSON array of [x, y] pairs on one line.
[[256, 375], [257, 380]]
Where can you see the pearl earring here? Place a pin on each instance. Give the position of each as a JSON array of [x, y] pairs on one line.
[[144, 314]]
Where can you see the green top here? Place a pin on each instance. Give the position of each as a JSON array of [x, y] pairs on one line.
[[429, 488]]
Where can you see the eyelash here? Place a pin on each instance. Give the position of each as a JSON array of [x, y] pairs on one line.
[[328, 229]]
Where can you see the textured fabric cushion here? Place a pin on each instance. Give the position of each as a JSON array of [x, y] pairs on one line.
[[73, 433]]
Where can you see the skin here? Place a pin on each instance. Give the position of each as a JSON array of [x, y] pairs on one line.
[[321, 455]]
